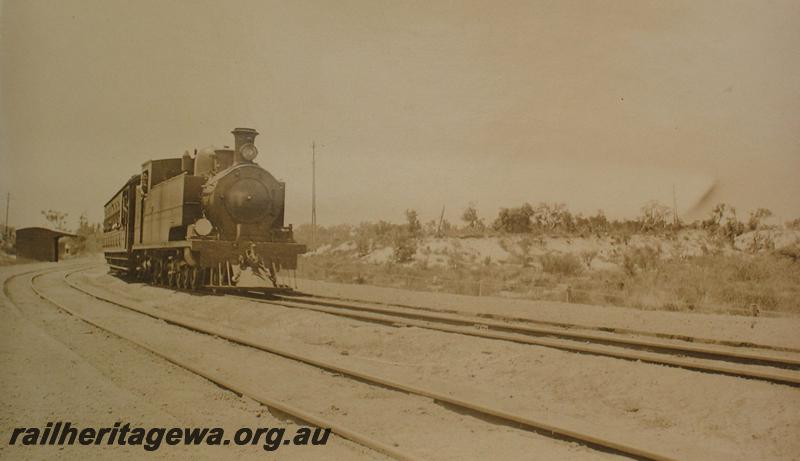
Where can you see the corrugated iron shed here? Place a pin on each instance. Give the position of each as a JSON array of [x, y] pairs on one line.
[[39, 243]]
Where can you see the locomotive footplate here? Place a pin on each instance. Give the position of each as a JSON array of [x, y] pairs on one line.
[[244, 264], [217, 251]]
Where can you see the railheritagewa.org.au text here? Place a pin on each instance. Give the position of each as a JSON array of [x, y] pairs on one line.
[[151, 439]]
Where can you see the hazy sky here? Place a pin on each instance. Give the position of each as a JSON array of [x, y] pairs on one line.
[[598, 104]]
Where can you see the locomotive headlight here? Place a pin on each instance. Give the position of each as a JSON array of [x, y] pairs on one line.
[[249, 152], [203, 227]]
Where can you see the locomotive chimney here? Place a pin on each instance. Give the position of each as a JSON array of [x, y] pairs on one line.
[[243, 137]]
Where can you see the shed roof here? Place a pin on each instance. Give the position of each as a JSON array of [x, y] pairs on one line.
[[42, 232]]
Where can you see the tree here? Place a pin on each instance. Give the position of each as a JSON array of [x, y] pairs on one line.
[[598, 222], [757, 218], [715, 217], [88, 240], [414, 226], [515, 220], [9, 241], [470, 216], [732, 227], [654, 216], [723, 222], [56, 219]]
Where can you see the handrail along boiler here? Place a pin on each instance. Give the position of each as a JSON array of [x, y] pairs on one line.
[[202, 220]]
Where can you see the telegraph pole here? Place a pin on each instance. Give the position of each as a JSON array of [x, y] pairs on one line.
[[674, 207], [5, 225], [313, 193]]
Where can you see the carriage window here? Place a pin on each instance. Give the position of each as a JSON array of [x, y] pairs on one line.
[[124, 214]]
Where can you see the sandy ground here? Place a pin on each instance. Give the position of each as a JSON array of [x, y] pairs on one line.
[[771, 331], [687, 414], [413, 423], [57, 368]]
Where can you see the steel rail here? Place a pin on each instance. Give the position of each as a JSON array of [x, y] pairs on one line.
[[542, 427], [252, 392], [494, 325], [562, 325], [44, 270], [783, 377]]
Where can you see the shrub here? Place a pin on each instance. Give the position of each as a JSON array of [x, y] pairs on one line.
[[791, 251], [566, 264], [525, 245], [749, 270], [749, 296], [588, 256], [640, 258], [405, 247], [363, 245]]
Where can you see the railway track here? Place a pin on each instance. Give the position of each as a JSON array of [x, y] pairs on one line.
[[255, 393], [776, 367], [771, 365], [558, 326], [480, 409]]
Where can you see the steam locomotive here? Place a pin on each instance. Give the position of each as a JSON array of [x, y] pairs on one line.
[[211, 219]]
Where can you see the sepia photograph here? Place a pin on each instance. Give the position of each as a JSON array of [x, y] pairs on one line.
[[405, 230]]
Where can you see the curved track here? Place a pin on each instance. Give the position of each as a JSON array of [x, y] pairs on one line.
[[219, 379], [470, 407]]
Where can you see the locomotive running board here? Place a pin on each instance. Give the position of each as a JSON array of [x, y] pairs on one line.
[[164, 245]]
